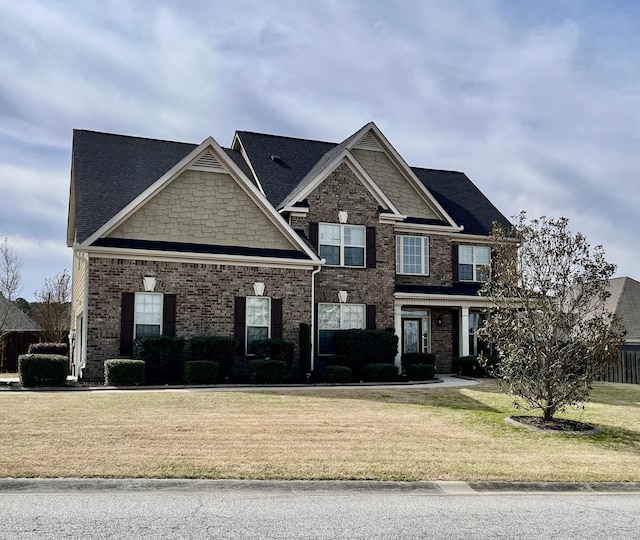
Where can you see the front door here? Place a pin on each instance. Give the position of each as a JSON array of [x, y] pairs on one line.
[[411, 336]]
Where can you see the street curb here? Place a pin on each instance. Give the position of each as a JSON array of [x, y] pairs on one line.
[[61, 485]]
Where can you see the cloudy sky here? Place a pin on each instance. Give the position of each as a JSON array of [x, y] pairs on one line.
[[537, 101]]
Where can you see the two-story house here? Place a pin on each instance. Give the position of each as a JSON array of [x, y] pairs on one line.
[[252, 240]]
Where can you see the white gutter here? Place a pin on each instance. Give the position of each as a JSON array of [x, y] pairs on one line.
[[313, 299]]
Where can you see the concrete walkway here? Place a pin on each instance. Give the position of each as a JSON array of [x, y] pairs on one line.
[[443, 381]]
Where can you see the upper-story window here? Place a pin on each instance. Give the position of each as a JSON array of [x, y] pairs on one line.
[[342, 245], [473, 263], [412, 255], [147, 315]]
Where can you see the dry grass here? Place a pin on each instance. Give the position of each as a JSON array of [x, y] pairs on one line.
[[394, 434]]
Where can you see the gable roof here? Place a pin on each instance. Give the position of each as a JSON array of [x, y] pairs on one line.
[[16, 319], [462, 200], [110, 171], [625, 303]]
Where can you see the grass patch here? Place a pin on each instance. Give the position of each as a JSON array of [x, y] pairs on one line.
[[390, 434]]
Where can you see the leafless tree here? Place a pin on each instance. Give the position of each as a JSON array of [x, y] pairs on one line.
[[52, 309], [548, 320], [10, 276]]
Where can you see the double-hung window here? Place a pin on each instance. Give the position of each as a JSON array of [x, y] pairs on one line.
[[473, 263], [147, 315], [412, 255], [342, 245], [258, 322], [333, 317]]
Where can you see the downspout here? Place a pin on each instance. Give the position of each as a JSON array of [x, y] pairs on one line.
[[313, 301]]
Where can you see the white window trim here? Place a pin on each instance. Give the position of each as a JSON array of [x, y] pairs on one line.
[[247, 325], [475, 265], [364, 321], [342, 244], [135, 312], [425, 255]]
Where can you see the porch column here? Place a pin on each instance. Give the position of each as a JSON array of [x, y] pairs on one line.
[[464, 331], [397, 325]]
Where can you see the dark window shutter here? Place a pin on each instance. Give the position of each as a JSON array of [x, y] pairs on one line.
[[240, 311], [371, 316], [126, 324], [454, 259], [313, 234], [455, 334], [276, 318], [169, 315], [371, 247]]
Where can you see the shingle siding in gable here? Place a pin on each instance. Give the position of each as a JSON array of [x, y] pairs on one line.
[[204, 208], [393, 184]]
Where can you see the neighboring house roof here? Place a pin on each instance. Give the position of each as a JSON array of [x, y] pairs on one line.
[[109, 171], [625, 303], [16, 320]]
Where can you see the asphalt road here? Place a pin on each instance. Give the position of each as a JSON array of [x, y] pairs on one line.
[[276, 511]]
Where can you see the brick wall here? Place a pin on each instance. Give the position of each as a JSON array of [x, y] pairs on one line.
[[342, 191], [205, 299]]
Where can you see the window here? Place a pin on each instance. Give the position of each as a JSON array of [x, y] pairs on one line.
[[258, 320], [412, 255], [342, 245], [473, 263], [148, 315], [332, 317]]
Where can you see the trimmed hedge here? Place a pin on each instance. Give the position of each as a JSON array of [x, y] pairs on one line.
[[220, 349], [200, 372], [337, 374], [266, 371], [379, 373], [43, 370], [470, 366], [162, 357], [61, 349], [123, 372], [274, 349], [337, 360], [365, 347], [421, 372], [409, 359]]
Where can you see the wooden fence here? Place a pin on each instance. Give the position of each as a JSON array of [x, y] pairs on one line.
[[627, 371]]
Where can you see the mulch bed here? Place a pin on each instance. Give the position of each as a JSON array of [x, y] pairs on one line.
[[560, 426]]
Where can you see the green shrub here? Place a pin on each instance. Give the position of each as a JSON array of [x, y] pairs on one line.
[[162, 357], [409, 359], [337, 374], [43, 370], [366, 346], [49, 348], [220, 349], [337, 360], [471, 366], [379, 373], [421, 372], [266, 371], [123, 372], [274, 349], [200, 372]]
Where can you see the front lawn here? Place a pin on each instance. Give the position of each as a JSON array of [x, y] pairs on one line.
[[390, 434]]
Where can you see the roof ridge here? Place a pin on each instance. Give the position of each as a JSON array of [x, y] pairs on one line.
[[133, 136], [239, 131]]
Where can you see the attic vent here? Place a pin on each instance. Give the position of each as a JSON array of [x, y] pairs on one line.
[[207, 162], [368, 142]]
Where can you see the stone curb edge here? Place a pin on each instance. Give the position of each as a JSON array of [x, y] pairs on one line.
[[58, 485]]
